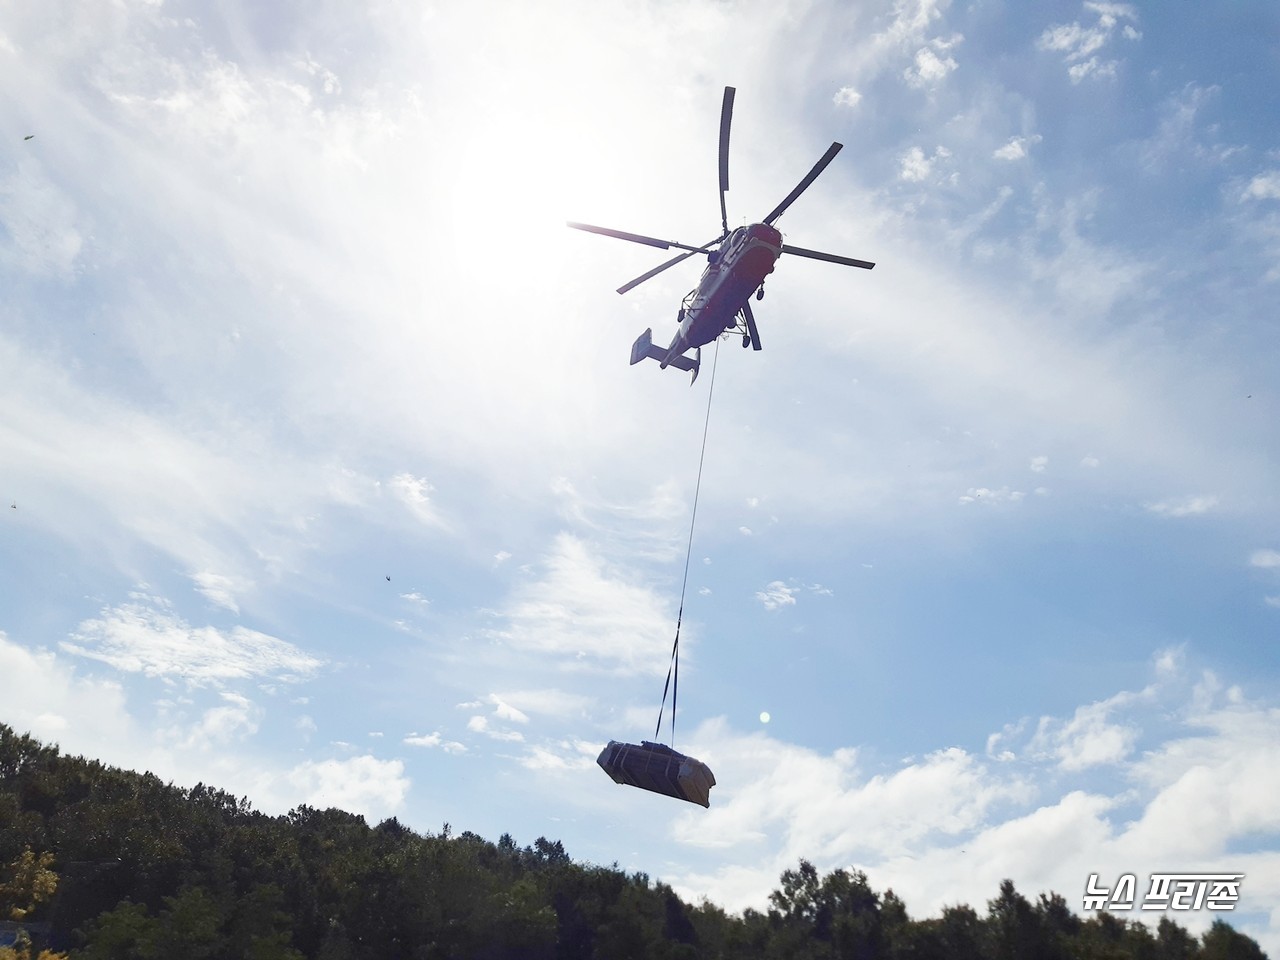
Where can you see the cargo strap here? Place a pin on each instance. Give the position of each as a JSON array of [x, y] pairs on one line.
[[673, 670]]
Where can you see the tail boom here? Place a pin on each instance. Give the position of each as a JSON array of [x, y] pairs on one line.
[[644, 348]]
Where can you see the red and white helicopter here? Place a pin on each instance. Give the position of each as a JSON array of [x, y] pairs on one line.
[[737, 263]]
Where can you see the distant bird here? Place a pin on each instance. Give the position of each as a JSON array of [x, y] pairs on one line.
[[14, 504], [28, 136], [388, 579]]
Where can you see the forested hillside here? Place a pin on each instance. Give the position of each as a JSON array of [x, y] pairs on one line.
[[101, 863]]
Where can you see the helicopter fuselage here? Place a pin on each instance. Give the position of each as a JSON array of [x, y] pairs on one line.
[[737, 263], [734, 272]]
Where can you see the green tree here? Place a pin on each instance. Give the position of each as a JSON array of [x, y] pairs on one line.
[[962, 932], [26, 882], [1174, 943], [125, 933], [1221, 942], [1013, 925], [21, 950]]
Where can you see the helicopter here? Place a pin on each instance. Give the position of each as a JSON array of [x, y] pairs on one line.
[[737, 263]]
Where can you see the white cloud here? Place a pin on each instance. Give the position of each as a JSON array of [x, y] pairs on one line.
[[480, 724], [548, 702], [587, 612], [812, 801], [1265, 186], [914, 166], [847, 97], [138, 638], [1088, 739], [221, 589], [930, 67], [415, 493], [435, 740], [504, 711], [1182, 506], [1091, 67], [776, 595], [365, 785], [45, 697], [1076, 798], [416, 597], [562, 755], [989, 496], [1038, 464], [237, 719], [1079, 43], [911, 20], [1267, 558], [1016, 148]]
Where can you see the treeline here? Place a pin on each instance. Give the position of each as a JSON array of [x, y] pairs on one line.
[[104, 864]]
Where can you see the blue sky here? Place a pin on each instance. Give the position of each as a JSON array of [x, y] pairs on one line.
[[990, 533]]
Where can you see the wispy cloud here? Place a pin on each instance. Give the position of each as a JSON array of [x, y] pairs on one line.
[[142, 638], [221, 589], [235, 720], [46, 231], [415, 493], [777, 595], [561, 755], [1267, 558], [587, 612], [547, 702], [481, 724], [990, 496], [1079, 43], [1182, 506], [1017, 147], [435, 740]]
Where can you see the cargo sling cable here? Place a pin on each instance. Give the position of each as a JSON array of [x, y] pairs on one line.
[[673, 670], [655, 766]]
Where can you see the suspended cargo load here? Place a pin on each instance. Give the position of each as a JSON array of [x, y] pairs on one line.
[[656, 767]]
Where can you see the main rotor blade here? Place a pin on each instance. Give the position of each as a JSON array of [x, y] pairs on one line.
[[654, 272], [726, 118], [638, 238], [803, 185], [751, 325], [705, 248], [829, 257]]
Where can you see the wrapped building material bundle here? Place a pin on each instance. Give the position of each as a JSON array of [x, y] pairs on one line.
[[656, 767]]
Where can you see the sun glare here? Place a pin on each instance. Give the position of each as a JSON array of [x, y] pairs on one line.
[[514, 184]]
